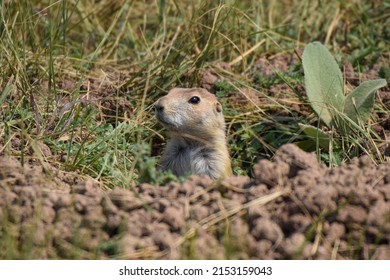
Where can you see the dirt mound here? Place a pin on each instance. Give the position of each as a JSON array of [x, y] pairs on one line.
[[292, 208]]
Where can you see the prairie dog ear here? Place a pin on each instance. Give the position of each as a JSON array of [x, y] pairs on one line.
[[218, 107]]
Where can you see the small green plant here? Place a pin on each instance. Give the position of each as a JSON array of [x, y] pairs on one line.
[[325, 90]]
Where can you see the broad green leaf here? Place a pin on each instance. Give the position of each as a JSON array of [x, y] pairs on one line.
[[316, 135], [307, 145], [359, 103], [323, 81]]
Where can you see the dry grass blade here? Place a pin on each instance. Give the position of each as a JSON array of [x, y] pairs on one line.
[[224, 214], [246, 53]]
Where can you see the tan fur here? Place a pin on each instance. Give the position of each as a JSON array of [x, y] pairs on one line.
[[198, 141]]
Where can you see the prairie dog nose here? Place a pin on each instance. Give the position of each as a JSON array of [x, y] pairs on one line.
[[158, 107]]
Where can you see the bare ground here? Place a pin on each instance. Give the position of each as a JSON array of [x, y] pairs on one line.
[[292, 208]]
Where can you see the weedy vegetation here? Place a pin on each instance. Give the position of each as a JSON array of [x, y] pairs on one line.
[[81, 78], [345, 116]]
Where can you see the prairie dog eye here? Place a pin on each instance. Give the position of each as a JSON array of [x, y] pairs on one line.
[[194, 100]]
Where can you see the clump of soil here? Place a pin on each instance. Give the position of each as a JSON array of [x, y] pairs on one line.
[[292, 208], [208, 77]]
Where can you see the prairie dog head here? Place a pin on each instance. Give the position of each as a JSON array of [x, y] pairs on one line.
[[192, 111]]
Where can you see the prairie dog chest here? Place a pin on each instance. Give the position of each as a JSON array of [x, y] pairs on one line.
[[189, 158]]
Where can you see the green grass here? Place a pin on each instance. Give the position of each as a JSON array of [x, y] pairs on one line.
[[135, 52]]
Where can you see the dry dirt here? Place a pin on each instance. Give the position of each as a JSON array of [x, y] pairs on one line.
[[292, 208]]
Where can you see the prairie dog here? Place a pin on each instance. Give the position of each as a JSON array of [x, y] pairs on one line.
[[197, 145]]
